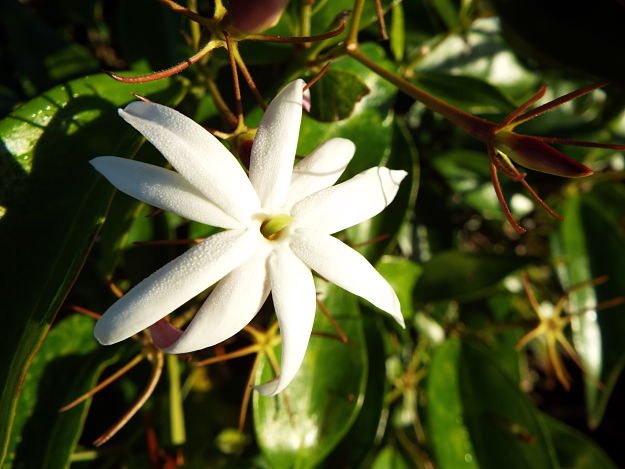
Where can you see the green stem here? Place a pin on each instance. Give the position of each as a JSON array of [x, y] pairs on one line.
[[176, 411], [352, 37]]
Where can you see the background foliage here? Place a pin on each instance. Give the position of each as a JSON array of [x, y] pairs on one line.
[[449, 391]]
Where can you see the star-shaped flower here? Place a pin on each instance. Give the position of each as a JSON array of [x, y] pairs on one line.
[[277, 229]]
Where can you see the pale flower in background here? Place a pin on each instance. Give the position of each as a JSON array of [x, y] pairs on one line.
[[277, 224]]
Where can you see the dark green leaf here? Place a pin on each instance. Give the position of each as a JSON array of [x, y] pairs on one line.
[[468, 93], [55, 204], [390, 458], [67, 365], [300, 426], [463, 276], [42, 58], [336, 95], [574, 449], [402, 274], [478, 417], [368, 427], [589, 243]]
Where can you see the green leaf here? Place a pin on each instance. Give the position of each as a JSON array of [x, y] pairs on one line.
[[67, 365], [574, 449], [390, 458], [366, 431], [588, 244], [402, 274], [471, 94], [478, 417], [300, 426], [54, 205], [464, 276], [335, 97], [42, 58]]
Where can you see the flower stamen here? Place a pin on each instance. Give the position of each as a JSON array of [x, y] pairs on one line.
[[275, 226]]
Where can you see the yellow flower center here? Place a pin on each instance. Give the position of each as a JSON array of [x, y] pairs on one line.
[[274, 227]]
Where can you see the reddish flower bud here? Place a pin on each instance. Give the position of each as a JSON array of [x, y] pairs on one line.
[[533, 153], [254, 16]]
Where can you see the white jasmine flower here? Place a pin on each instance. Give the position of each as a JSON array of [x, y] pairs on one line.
[[278, 226]]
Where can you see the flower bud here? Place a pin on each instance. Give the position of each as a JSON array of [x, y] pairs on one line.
[[533, 153], [254, 16]]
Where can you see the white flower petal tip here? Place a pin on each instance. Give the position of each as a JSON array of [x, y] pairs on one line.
[[273, 150], [196, 155], [351, 202], [163, 189], [174, 284], [294, 298]]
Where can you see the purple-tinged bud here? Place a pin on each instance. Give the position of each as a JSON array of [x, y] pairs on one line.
[[254, 16], [533, 153]]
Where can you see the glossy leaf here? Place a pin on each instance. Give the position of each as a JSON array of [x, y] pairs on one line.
[[368, 427], [574, 449], [300, 426], [390, 458], [335, 97], [479, 417], [45, 58], [402, 274], [468, 93], [67, 365], [590, 244], [55, 204], [463, 276]]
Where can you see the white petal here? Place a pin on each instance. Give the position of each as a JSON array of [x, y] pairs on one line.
[[162, 188], [230, 307], [175, 283], [294, 297], [346, 268], [349, 203], [198, 156], [322, 168], [273, 150]]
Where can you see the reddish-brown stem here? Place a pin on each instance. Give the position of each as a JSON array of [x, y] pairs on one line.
[[523, 107], [141, 98], [115, 289], [380, 16], [521, 178], [477, 127], [168, 71], [248, 76], [124, 369], [147, 392], [557, 102], [610, 303], [250, 349], [153, 213], [371, 241], [168, 242], [318, 76], [583, 143], [502, 200], [247, 392], [235, 79], [88, 312], [297, 39], [184, 11], [337, 328]]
